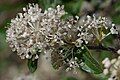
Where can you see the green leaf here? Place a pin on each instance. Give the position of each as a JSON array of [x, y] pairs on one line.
[[116, 13], [89, 60], [3, 43], [108, 41], [45, 4], [101, 76], [32, 65], [84, 67], [73, 6], [116, 18]]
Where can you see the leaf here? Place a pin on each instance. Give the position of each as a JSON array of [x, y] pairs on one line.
[[101, 77], [116, 13], [73, 6], [44, 3], [91, 62], [116, 18], [86, 68], [32, 65], [3, 43], [108, 41]]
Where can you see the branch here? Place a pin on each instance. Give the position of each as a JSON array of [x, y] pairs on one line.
[[111, 49]]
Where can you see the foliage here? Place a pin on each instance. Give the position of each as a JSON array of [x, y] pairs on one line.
[[32, 65], [94, 66]]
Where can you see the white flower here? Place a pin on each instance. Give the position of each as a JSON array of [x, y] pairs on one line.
[[106, 63], [105, 71], [113, 70], [72, 64], [105, 60], [113, 31], [118, 51]]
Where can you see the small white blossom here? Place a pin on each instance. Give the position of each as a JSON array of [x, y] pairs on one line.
[[105, 71], [105, 60], [113, 31], [118, 51], [72, 64]]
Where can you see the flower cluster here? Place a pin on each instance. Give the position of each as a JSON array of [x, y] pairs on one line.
[[112, 68], [36, 31], [73, 64], [31, 31], [99, 27]]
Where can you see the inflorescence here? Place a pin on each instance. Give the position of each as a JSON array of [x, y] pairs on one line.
[[37, 31]]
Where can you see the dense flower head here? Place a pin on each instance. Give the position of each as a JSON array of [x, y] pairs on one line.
[[31, 31], [36, 31]]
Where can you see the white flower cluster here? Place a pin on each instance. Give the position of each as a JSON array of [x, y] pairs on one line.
[[23, 34], [73, 64], [31, 31], [99, 27], [36, 31], [112, 68]]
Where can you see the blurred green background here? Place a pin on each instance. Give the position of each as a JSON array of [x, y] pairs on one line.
[[13, 68]]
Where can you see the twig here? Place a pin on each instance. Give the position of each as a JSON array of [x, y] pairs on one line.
[[102, 48]]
